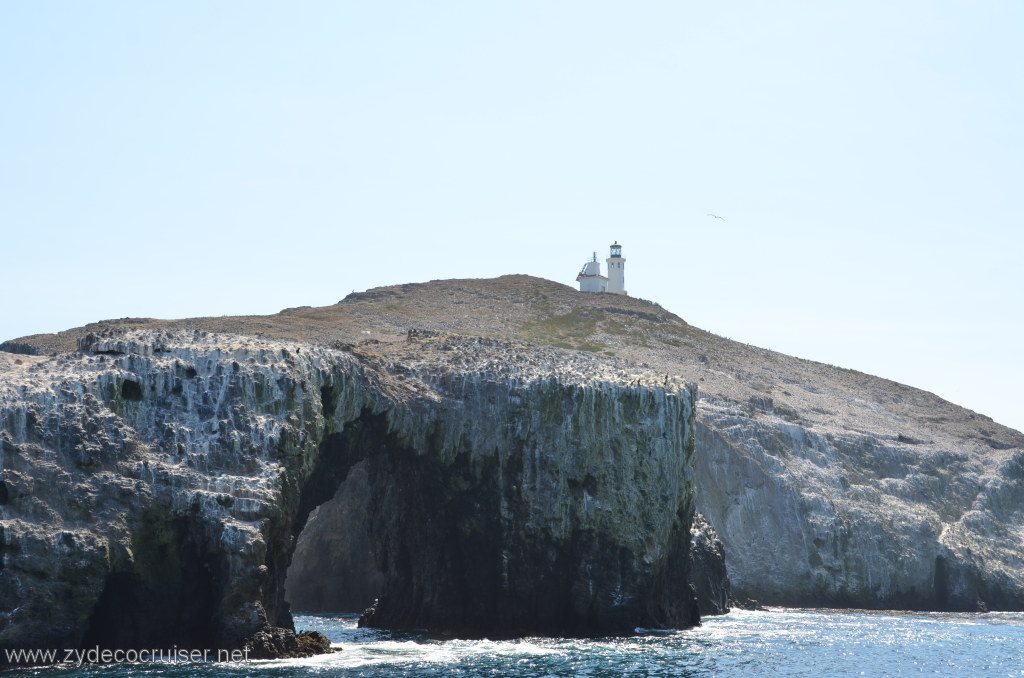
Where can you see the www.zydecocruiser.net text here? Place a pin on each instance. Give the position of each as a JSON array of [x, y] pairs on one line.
[[98, 655]]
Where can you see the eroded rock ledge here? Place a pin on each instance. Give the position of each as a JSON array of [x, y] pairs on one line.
[[154, 482]]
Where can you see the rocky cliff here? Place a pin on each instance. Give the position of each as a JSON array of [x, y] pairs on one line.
[[154, 483], [821, 515], [825, 486]]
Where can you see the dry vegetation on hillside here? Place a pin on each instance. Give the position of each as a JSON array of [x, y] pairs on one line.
[[532, 310]]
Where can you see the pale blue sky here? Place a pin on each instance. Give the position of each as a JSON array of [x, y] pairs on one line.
[[203, 158]]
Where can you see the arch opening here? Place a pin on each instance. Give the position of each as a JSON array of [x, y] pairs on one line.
[[333, 568]]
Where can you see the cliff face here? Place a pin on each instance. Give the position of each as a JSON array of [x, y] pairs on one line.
[[153, 485], [563, 507], [825, 486], [817, 516]]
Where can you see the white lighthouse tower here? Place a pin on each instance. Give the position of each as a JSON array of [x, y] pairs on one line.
[[616, 270]]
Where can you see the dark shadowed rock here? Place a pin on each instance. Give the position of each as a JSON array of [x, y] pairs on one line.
[[277, 643], [707, 573], [748, 604]]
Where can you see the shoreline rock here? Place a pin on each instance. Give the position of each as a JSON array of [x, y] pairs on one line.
[[277, 643], [708, 574]]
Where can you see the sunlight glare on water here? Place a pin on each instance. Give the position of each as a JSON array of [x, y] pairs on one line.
[[794, 642], [782, 641]]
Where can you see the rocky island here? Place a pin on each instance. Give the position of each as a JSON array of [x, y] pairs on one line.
[[503, 457]]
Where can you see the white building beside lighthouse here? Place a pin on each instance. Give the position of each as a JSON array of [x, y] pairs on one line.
[[591, 280]]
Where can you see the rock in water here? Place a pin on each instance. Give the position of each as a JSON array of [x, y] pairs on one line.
[[154, 482], [277, 643], [707, 573]]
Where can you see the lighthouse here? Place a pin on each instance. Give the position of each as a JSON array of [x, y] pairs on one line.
[[591, 280], [616, 270]]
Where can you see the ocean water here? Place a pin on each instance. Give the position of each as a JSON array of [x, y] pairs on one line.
[[778, 642]]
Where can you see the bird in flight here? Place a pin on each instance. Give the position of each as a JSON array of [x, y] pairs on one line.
[[715, 216]]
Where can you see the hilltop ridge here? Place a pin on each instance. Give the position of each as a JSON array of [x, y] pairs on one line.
[[535, 310]]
